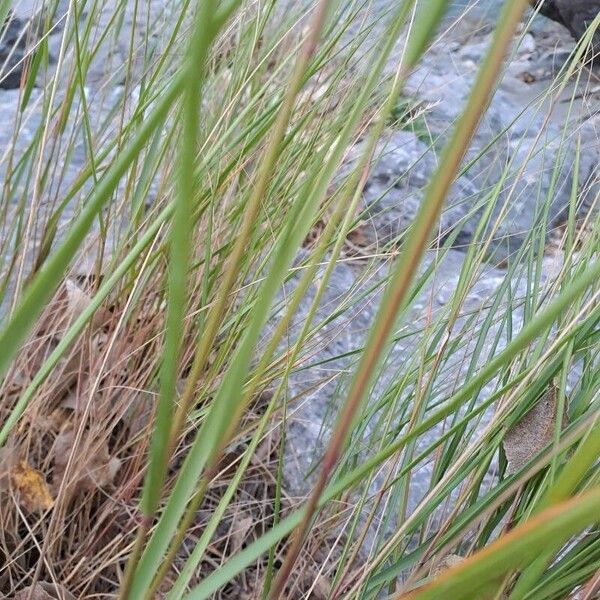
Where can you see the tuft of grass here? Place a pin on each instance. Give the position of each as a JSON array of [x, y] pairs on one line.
[[176, 202]]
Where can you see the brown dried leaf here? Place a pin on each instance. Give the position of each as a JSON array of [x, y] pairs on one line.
[[448, 562], [266, 447], [532, 433], [94, 468], [44, 590], [70, 400], [77, 301], [240, 528], [138, 416], [8, 460], [31, 487], [67, 305], [321, 589]]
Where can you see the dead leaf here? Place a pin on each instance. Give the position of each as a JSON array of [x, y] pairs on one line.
[[139, 416], [69, 302], [93, 468], [532, 433], [44, 590], [322, 588], [77, 300], [31, 487], [448, 562], [67, 305], [266, 447], [240, 528], [70, 401], [8, 460]]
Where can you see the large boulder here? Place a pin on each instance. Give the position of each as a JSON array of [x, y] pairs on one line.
[[13, 48], [575, 15]]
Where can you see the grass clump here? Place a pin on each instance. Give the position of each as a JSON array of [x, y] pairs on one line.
[[173, 220]]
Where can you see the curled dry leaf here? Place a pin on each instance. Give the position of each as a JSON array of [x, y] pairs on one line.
[[240, 528], [449, 561], [532, 433], [8, 460], [77, 301], [44, 590], [93, 467], [68, 304], [31, 487]]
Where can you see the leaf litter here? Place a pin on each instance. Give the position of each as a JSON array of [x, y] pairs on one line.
[[97, 470], [529, 436]]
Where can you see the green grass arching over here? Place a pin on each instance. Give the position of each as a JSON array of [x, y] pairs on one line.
[[240, 124]]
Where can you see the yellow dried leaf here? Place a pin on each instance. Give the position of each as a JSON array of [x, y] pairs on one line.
[[31, 487]]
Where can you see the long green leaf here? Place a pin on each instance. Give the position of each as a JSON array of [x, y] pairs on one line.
[[518, 548]]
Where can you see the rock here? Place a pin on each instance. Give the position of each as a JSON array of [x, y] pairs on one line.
[[26, 9], [575, 15], [533, 170], [145, 23], [474, 52], [394, 191], [319, 385], [527, 45], [13, 51], [548, 8], [508, 145]]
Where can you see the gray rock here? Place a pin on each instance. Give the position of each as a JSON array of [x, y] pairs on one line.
[[13, 50], [533, 170], [516, 144], [317, 388], [575, 15], [394, 191], [24, 133], [508, 146]]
